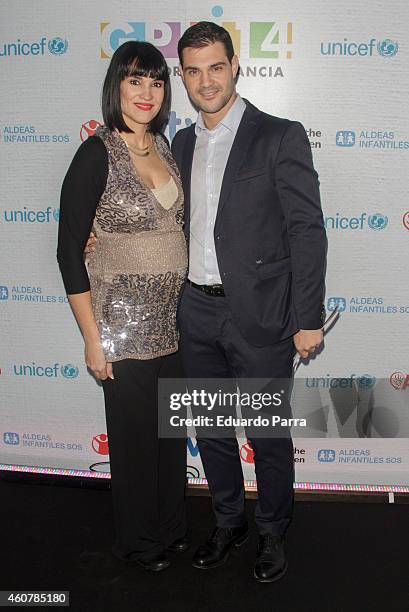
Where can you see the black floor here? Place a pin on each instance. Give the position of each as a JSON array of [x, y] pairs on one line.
[[342, 557]]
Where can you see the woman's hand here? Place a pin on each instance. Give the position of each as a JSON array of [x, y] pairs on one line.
[[95, 360], [90, 246]]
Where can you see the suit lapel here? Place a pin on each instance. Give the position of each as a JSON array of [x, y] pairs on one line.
[[187, 160], [242, 142]]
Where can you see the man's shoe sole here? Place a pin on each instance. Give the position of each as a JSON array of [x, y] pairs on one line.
[[239, 542], [274, 578]]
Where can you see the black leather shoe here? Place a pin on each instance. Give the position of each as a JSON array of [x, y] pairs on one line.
[[271, 563], [156, 564], [217, 548], [179, 546]]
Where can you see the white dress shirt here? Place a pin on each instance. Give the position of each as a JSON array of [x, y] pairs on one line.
[[210, 157]]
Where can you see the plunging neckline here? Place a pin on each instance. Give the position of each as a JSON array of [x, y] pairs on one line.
[[161, 187], [160, 209]]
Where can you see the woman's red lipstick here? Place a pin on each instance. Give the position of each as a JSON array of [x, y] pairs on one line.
[[145, 107]]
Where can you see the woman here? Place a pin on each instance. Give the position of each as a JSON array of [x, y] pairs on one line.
[[124, 185]]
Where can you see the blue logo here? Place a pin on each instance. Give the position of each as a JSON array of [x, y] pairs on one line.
[[366, 381], [326, 455], [387, 47], [23, 48], [25, 215], [345, 138], [193, 448], [69, 371], [333, 302], [10, 437], [346, 48], [377, 221], [4, 293], [57, 46]]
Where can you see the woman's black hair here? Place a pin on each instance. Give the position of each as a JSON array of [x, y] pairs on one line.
[[134, 58]]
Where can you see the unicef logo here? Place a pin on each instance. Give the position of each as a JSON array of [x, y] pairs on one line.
[[377, 221], [57, 46], [56, 214], [69, 371], [366, 381], [387, 47]]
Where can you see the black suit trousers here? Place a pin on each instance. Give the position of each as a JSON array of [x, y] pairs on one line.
[[212, 346], [148, 474]]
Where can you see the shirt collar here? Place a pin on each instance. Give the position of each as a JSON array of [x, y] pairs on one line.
[[231, 120]]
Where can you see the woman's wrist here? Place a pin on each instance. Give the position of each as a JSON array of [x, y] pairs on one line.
[[92, 337]]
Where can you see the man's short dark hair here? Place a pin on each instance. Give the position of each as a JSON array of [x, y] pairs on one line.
[[134, 58], [203, 34]]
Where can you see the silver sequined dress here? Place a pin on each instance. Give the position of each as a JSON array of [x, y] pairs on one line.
[[140, 262]]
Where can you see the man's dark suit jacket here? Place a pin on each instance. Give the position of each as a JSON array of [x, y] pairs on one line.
[[269, 232]]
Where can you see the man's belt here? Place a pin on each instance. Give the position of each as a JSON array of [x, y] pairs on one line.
[[214, 290]]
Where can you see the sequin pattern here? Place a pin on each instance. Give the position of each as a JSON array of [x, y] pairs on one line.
[[140, 261]]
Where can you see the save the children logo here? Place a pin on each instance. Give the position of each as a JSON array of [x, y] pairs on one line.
[[89, 128], [247, 452], [100, 444]]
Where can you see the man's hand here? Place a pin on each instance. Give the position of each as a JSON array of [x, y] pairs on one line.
[[306, 341], [90, 246]]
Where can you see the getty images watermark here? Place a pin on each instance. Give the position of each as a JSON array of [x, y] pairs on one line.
[[350, 405], [216, 407]]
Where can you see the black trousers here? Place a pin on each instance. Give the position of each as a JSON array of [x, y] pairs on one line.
[[212, 346], [148, 474]]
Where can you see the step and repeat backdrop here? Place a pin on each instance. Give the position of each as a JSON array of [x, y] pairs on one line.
[[340, 69]]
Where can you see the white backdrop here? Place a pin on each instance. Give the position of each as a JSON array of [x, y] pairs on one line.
[[340, 69]]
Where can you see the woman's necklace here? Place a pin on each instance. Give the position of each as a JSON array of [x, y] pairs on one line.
[[140, 152]]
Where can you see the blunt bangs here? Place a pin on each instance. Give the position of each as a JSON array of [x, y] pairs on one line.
[[145, 67], [134, 58]]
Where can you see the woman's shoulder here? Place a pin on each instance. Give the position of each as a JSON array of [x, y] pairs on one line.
[[93, 144], [91, 152]]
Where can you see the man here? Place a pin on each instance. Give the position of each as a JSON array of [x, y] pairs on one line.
[[255, 286]]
